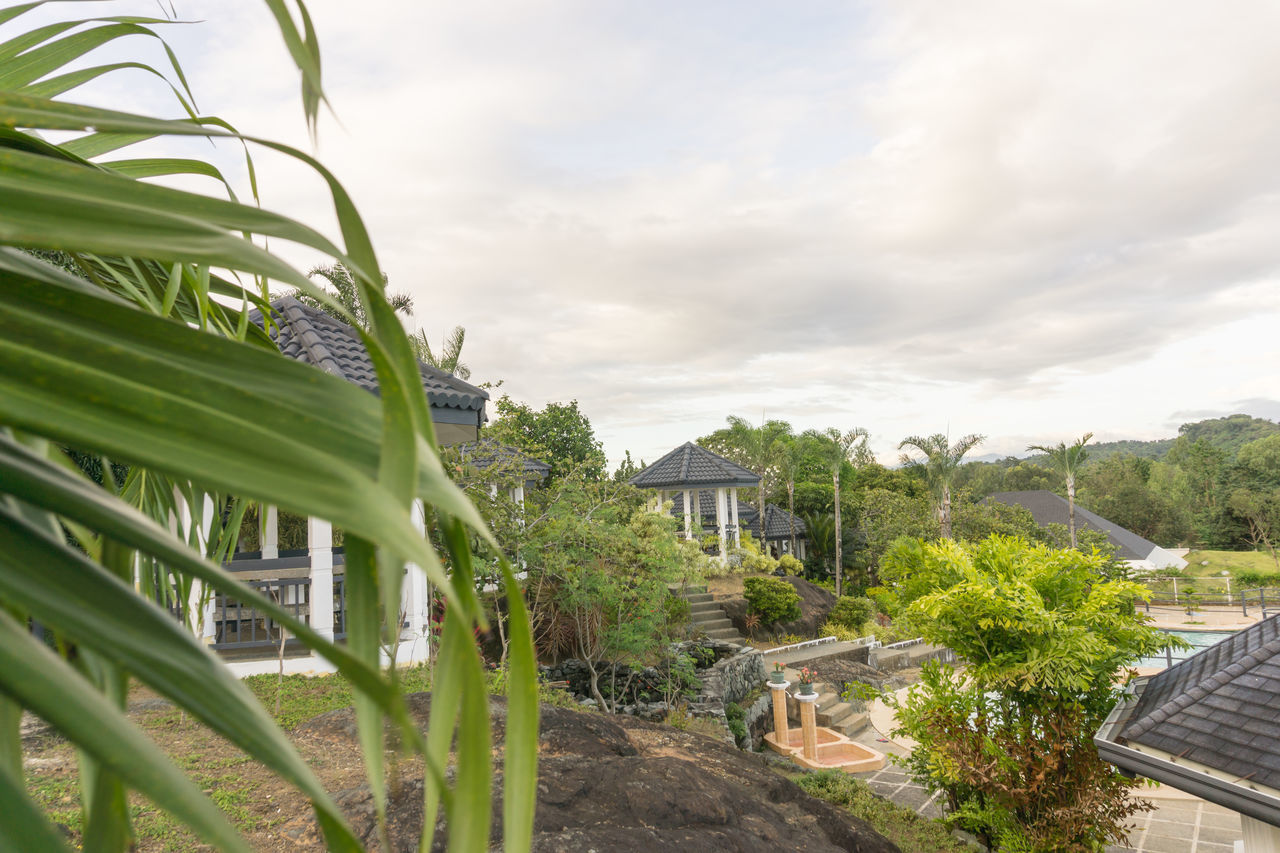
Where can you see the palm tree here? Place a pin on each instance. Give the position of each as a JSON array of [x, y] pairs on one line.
[[758, 448], [137, 363], [940, 464], [839, 448], [789, 461], [1067, 460], [343, 288], [450, 358]]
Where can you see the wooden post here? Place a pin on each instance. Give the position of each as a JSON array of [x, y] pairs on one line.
[[688, 513]]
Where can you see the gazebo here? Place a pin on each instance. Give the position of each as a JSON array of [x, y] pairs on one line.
[[690, 470], [776, 537]]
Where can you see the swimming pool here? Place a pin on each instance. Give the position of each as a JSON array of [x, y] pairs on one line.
[[1198, 640]]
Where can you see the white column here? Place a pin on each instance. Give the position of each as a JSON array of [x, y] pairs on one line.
[[270, 532], [733, 516], [688, 513], [518, 495], [206, 630], [1259, 837], [720, 519], [320, 549], [415, 582]]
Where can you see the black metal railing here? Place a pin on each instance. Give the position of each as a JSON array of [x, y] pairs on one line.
[[242, 626], [1263, 601]]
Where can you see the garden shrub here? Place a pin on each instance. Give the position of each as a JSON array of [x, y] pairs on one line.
[[736, 717], [852, 612], [790, 565], [1251, 579], [775, 600]]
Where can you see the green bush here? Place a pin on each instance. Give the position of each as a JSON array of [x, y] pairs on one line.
[[902, 826], [736, 717], [773, 599], [1251, 579], [852, 612], [791, 565]]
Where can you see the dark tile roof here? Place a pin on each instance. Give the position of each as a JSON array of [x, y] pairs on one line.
[[691, 465], [312, 336], [484, 453], [748, 516], [1219, 708], [1049, 508]]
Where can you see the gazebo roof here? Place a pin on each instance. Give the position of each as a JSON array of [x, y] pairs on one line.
[[690, 466], [484, 453], [1208, 725]]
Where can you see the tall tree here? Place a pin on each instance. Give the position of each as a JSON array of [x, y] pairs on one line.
[[839, 448], [448, 359], [789, 462], [941, 461], [758, 448], [1066, 460], [343, 288]]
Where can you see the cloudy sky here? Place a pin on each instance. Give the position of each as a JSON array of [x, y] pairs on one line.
[[1029, 220]]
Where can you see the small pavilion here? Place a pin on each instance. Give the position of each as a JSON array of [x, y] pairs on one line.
[[690, 470]]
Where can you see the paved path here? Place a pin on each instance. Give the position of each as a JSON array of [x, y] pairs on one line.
[[1180, 822]]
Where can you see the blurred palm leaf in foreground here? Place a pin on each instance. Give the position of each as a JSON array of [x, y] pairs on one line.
[[125, 335]]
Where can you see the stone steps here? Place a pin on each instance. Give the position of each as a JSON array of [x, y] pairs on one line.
[[707, 616]]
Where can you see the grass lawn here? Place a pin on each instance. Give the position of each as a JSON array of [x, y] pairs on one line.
[[1202, 564]]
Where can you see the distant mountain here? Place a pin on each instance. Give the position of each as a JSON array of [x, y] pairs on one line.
[[1229, 434]]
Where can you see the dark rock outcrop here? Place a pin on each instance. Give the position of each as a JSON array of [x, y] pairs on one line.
[[622, 784]]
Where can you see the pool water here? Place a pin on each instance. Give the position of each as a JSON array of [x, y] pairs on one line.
[[1198, 640]]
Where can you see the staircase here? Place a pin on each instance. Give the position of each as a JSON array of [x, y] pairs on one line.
[[708, 617], [832, 711]]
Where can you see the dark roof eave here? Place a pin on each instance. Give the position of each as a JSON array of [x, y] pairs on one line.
[[683, 487], [1258, 805]]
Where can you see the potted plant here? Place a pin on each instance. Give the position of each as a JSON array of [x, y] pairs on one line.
[[806, 681], [777, 676]]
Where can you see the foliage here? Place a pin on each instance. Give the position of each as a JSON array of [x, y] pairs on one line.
[[790, 565], [840, 449], [599, 566], [1009, 740], [343, 302], [449, 358], [147, 358], [1117, 489], [774, 599], [748, 557], [736, 718], [627, 469], [558, 434], [938, 468], [1067, 461], [908, 830], [852, 612]]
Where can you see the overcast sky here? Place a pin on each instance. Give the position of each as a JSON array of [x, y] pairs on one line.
[[1029, 220]]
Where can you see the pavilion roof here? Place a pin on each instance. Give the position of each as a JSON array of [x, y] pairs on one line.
[[310, 335], [691, 466], [1208, 724]]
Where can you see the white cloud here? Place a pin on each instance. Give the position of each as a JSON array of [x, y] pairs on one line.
[[1015, 217]]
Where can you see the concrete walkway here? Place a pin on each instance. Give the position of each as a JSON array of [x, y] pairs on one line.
[[1180, 823]]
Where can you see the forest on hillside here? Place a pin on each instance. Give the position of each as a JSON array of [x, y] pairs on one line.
[[1216, 486]]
